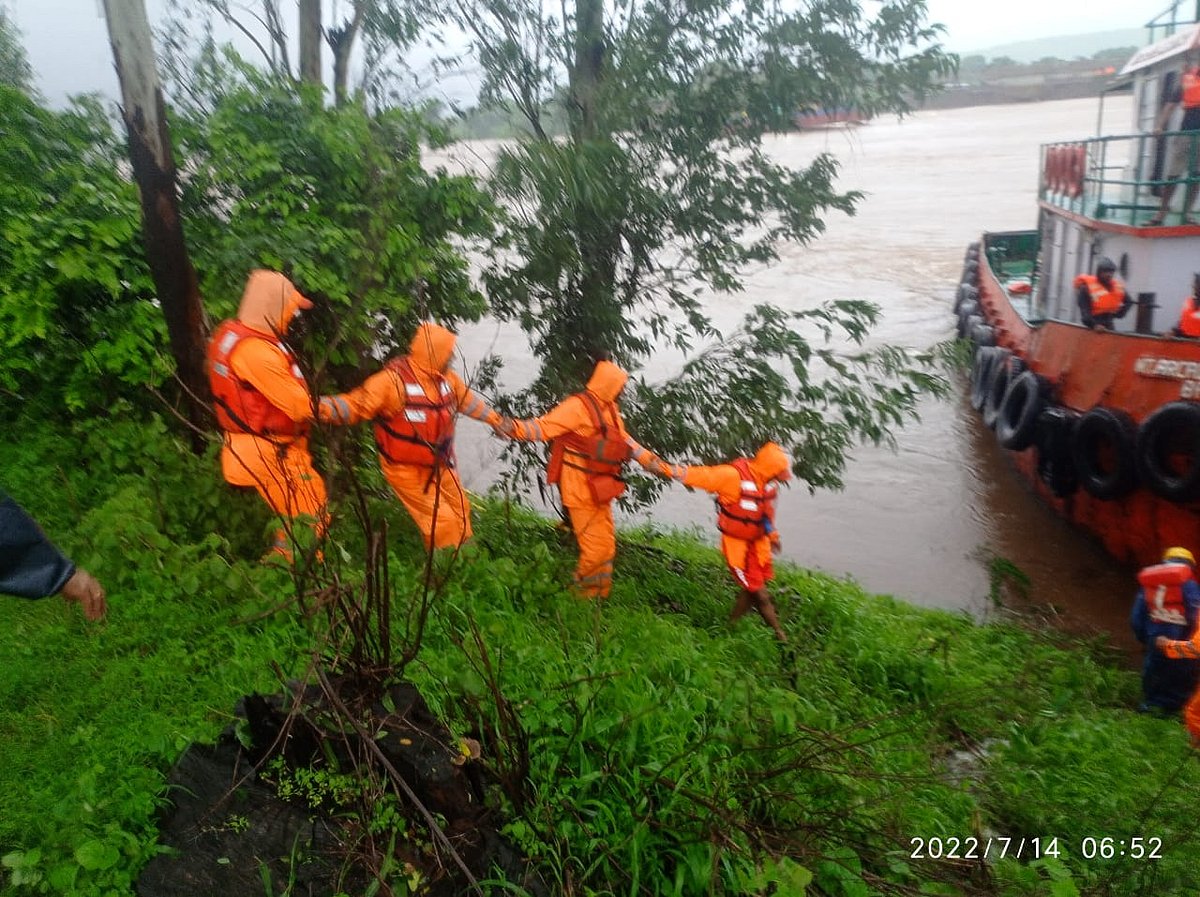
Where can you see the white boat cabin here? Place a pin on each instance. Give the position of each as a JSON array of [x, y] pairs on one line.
[[1102, 197]]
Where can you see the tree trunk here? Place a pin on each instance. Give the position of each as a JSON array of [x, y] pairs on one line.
[[599, 244], [341, 42], [586, 74], [154, 173], [310, 41]]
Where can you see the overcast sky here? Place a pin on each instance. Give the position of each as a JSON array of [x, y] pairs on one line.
[[68, 44]]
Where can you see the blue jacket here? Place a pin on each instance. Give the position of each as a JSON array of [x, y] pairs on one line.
[[1166, 684], [30, 565]]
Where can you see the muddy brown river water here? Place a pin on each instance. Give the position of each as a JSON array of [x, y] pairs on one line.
[[923, 521]]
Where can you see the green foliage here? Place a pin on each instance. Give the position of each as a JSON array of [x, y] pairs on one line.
[[333, 196], [77, 309], [665, 752], [663, 193], [93, 715], [15, 71]]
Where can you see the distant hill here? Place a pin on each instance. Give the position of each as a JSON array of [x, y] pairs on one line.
[[1068, 46]]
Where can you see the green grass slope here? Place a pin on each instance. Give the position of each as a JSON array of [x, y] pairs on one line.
[[639, 746]]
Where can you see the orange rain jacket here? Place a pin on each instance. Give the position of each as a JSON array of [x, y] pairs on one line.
[[422, 486], [252, 364], [574, 420], [725, 482], [573, 417]]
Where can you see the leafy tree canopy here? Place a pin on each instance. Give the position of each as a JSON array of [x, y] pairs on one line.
[[334, 196], [15, 70], [663, 194]]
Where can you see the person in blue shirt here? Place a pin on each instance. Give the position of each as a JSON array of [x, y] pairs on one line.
[[32, 567], [1168, 605]]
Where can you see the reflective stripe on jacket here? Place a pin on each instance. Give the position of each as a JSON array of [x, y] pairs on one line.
[[240, 407], [422, 432], [753, 513]]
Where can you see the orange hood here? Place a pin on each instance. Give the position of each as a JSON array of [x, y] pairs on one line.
[[771, 463], [270, 301], [607, 381], [431, 348]]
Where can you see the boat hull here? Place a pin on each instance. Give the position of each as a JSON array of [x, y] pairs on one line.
[[1084, 372]]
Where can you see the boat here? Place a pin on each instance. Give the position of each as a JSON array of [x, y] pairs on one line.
[[819, 117], [1105, 424]]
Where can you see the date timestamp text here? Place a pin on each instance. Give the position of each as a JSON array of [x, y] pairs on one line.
[[998, 847]]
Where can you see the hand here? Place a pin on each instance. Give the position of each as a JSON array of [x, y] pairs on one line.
[[1161, 642], [776, 546], [84, 589]]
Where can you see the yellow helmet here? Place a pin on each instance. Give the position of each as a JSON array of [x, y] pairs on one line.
[[1179, 554]]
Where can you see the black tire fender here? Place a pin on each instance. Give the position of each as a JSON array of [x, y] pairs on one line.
[[966, 324], [966, 309], [1168, 452], [981, 372], [1055, 465], [966, 293], [1103, 449], [983, 335], [996, 388], [1017, 417]]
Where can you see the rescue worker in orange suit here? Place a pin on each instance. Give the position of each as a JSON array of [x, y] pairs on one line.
[[588, 447], [1189, 318], [413, 402], [1167, 605], [745, 491], [1101, 296], [1182, 157], [263, 406]]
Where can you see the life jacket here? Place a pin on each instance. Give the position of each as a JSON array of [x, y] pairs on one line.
[[1105, 300], [747, 517], [1191, 88], [1189, 321], [239, 406], [422, 432], [600, 456], [1162, 586]]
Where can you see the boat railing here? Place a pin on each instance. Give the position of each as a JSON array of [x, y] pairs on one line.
[[1121, 179], [1012, 257], [1169, 22]]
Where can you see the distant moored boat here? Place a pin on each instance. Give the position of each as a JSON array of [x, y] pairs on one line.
[[826, 117]]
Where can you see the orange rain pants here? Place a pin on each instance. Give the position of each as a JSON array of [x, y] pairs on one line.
[[423, 493], [749, 562], [284, 476], [597, 539]]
